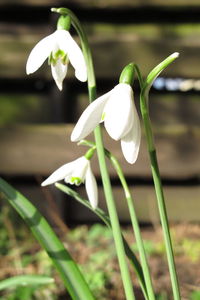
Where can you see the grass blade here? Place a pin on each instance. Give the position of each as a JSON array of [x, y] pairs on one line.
[[25, 280]]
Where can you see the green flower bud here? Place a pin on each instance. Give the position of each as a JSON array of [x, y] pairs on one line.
[[89, 154], [127, 74], [64, 22]]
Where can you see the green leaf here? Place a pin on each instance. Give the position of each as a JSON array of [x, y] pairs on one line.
[[68, 269], [25, 280]]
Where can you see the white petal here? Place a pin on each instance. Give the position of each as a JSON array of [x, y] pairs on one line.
[[119, 111], [62, 172], [91, 188], [59, 72], [80, 169], [39, 53], [90, 118], [130, 144], [68, 45]]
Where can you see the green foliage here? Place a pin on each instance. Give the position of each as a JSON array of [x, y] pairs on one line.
[[191, 248], [97, 264], [43, 232], [149, 246], [29, 293], [98, 268], [195, 295], [161, 296]]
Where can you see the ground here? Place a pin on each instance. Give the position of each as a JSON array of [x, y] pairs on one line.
[[93, 248]]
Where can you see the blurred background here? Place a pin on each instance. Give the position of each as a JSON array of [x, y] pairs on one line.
[[36, 121]]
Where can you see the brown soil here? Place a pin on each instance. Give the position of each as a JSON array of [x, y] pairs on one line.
[[186, 242]]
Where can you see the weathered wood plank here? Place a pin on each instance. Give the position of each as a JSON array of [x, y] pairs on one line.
[[29, 150], [139, 43], [24, 107], [103, 3], [165, 108], [183, 204]]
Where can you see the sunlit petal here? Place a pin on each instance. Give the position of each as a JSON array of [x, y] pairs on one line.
[[79, 170], [130, 144], [39, 53], [119, 111], [91, 188], [75, 55], [62, 172], [90, 118], [59, 71]]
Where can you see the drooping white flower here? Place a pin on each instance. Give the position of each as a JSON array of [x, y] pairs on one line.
[[118, 112], [60, 48], [77, 172]]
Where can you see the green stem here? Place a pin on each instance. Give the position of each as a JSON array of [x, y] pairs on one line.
[[104, 217], [164, 222], [155, 169], [102, 163], [113, 217], [135, 225]]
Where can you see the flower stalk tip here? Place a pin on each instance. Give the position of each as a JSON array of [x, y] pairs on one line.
[[175, 54]]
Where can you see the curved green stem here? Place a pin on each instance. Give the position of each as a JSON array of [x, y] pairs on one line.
[[144, 98], [101, 157], [135, 225]]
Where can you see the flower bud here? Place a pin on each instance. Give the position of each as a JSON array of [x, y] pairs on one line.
[[127, 74]]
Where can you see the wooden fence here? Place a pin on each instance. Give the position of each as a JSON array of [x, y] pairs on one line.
[[36, 120]]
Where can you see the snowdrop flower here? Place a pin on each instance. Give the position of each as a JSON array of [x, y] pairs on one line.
[[60, 48], [117, 110], [77, 172]]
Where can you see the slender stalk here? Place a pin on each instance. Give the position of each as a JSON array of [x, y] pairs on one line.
[[163, 216], [113, 217], [155, 170], [104, 217], [102, 163], [135, 225]]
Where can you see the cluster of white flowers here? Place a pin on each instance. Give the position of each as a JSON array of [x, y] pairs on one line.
[[115, 108]]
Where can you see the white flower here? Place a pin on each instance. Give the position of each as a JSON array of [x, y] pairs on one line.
[[117, 109], [77, 172], [60, 48]]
